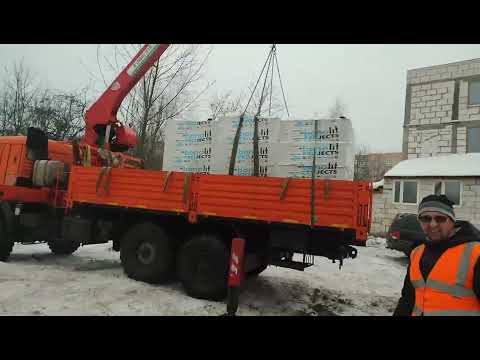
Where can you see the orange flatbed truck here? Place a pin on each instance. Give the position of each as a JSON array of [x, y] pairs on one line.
[[175, 224], [210, 231], [168, 224]]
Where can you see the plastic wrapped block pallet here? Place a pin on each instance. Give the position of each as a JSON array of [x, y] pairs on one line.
[[323, 171], [286, 147], [244, 159], [294, 130], [188, 146], [333, 146], [225, 129]]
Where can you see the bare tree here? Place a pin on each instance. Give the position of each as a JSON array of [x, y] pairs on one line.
[[23, 104], [4, 112], [224, 103], [166, 91], [339, 108], [221, 104], [369, 166], [60, 114], [18, 92], [271, 102], [361, 164], [377, 167]]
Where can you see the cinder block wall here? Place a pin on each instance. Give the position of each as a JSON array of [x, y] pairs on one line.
[[437, 108]]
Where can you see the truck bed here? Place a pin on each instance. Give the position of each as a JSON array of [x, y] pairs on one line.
[[338, 203]]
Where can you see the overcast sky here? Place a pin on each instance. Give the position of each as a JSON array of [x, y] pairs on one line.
[[369, 79]]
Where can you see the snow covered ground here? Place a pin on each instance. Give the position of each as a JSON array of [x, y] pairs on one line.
[[92, 282]]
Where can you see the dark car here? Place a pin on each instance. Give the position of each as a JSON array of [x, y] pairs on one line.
[[405, 233]]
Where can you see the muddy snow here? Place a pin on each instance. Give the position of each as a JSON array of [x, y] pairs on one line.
[[92, 282]]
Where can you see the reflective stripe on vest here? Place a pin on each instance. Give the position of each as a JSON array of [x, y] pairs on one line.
[[454, 290], [464, 263], [460, 291]]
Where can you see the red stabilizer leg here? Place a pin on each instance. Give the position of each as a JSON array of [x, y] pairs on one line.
[[235, 275]]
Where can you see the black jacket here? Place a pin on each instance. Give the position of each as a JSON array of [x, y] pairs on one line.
[[466, 233]]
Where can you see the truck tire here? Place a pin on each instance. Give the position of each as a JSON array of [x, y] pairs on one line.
[[148, 254], [62, 247], [203, 267], [6, 243]]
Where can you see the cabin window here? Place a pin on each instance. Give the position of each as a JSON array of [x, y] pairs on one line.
[[451, 189], [405, 192]]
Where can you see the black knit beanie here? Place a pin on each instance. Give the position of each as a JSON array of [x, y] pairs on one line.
[[438, 203]]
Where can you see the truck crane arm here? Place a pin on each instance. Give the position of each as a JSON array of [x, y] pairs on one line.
[[102, 126]]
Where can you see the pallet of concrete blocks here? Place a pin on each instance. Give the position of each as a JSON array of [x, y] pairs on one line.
[[286, 147], [188, 146], [328, 170], [331, 141], [225, 130], [244, 164], [297, 130]]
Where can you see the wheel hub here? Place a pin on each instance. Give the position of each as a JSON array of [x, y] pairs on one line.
[[146, 253]]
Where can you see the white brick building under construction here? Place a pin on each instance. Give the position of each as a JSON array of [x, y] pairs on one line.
[[442, 120], [442, 110]]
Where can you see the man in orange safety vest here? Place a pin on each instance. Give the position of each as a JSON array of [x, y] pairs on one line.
[[443, 277]]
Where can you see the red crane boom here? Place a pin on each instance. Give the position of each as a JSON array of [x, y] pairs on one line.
[[102, 126]]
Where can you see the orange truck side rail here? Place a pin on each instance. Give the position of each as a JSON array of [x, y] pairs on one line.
[[338, 203], [24, 194], [131, 188]]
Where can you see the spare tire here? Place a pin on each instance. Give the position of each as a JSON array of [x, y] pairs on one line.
[[148, 254], [45, 172], [203, 267]]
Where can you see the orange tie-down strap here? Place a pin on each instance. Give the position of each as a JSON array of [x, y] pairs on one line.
[[285, 184], [186, 188], [85, 154], [166, 180], [77, 158], [106, 173]]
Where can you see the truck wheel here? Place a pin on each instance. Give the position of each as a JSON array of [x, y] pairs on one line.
[[6, 243], [61, 247], [202, 267], [147, 254]]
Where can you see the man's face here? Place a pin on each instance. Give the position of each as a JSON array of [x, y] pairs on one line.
[[436, 226]]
